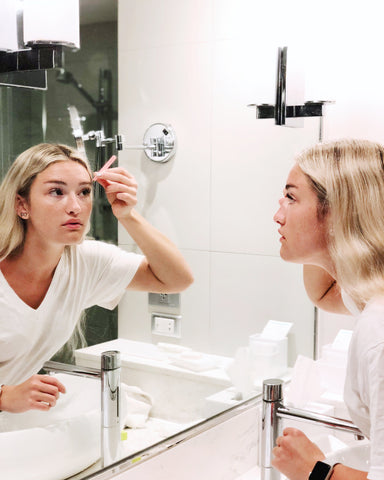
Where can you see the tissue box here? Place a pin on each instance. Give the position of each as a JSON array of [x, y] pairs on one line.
[[269, 358]]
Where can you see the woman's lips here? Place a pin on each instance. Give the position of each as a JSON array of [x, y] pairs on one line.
[[73, 224]]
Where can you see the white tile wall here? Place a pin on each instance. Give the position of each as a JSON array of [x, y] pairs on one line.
[[247, 290], [217, 197], [160, 87], [196, 64]]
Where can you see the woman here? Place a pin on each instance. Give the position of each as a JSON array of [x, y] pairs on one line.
[[332, 221], [49, 274]]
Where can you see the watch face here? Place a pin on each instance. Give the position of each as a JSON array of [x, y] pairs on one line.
[[320, 471]]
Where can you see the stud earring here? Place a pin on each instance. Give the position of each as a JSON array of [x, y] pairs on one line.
[[24, 215]]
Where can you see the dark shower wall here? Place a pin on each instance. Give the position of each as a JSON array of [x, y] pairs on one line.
[[98, 51]]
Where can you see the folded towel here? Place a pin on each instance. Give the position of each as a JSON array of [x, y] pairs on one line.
[[135, 406]]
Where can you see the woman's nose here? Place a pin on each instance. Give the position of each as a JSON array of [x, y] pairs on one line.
[[279, 216], [73, 204]]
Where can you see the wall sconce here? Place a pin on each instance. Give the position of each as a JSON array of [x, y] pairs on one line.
[[51, 22], [280, 111], [33, 36], [8, 31]]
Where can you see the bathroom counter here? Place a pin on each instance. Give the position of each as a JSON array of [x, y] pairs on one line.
[[149, 357], [253, 474]]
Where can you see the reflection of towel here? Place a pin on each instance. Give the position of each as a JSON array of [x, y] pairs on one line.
[[135, 406]]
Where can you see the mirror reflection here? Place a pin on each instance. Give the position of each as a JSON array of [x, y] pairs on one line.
[[184, 356]]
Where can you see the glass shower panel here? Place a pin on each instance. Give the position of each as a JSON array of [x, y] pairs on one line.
[[20, 122]]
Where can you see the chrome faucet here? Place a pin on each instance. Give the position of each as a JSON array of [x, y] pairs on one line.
[[109, 375], [273, 413]]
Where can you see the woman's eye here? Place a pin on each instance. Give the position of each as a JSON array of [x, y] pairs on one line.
[[289, 196], [56, 192], [85, 192]]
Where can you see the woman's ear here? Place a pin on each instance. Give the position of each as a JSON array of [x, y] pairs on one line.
[[21, 207]]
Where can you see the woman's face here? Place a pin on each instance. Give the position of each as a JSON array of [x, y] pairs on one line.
[[59, 204], [303, 234]]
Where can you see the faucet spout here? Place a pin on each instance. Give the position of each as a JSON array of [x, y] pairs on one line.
[[273, 413], [110, 406], [109, 374]]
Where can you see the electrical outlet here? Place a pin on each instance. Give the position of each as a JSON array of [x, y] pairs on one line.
[[164, 299]]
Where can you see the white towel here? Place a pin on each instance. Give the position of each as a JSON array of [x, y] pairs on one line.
[[135, 406]]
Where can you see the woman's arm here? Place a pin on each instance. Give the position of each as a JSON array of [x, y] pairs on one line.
[[295, 456], [164, 269], [323, 290], [342, 472], [40, 392]]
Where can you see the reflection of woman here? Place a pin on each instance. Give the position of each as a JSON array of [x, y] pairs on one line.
[[49, 274], [332, 220]]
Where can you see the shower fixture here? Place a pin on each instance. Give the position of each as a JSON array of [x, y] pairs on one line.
[[64, 76], [77, 129], [280, 111]]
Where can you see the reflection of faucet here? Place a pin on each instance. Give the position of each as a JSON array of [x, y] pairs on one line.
[[110, 399], [274, 411]]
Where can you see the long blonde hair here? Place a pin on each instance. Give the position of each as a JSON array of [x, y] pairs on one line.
[[348, 178], [18, 181]]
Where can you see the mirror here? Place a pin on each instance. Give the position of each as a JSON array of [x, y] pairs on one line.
[[216, 198]]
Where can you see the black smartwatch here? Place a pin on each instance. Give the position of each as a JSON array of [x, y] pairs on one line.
[[321, 471]]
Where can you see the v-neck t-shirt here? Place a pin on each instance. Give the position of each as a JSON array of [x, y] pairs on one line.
[[88, 274]]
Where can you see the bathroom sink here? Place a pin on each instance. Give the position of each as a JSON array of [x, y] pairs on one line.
[[56, 444], [356, 456]]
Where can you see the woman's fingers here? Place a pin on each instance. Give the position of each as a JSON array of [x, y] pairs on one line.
[[39, 392], [121, 190], [53, 382]]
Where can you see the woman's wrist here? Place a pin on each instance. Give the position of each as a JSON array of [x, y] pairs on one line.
[[1, 394], [336, 467], [127, 216]]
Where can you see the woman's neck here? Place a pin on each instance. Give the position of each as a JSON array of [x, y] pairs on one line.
[[34, 260]]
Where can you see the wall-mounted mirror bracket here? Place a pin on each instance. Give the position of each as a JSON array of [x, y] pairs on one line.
[[159, 143]]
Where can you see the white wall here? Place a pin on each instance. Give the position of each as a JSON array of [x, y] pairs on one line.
[[196, 64]]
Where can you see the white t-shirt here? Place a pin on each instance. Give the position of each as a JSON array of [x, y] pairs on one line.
[[364, 385], [91, 273]]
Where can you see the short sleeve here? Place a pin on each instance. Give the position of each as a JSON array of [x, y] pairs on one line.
[[109, 271]]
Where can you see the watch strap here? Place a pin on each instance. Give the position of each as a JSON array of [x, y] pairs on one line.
[[321, 471]]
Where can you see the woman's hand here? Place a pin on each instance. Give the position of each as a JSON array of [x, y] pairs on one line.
[[121, 190], [164, 270], [295, 455], [40, 392]]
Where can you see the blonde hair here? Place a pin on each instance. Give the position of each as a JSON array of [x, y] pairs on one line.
[[348, 178], [18, 181]]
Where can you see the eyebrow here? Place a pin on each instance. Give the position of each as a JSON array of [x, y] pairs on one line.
[[60, 182], [290, 185]]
